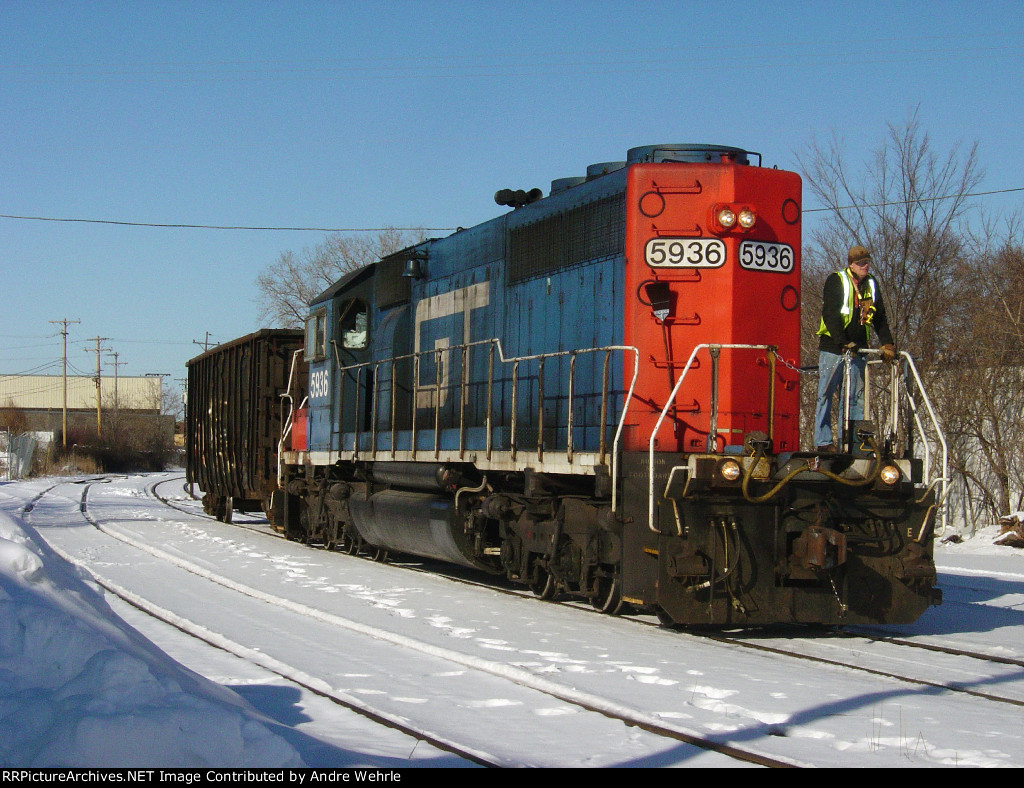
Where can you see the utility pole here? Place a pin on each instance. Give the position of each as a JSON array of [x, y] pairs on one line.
[[64, 419], [115, 364], [97, 340], [205, 344]]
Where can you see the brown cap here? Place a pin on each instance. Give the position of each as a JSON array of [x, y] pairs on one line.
[[858, 254]]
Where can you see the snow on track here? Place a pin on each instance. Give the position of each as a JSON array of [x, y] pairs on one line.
[[468, 642], [338, 656]]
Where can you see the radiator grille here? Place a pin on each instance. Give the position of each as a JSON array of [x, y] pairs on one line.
[[586, 232]]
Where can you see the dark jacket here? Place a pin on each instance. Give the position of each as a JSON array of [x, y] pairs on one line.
[[838, 335]]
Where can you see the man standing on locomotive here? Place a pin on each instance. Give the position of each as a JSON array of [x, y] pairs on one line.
[[851, 306]]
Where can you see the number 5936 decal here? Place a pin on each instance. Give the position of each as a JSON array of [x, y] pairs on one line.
[[765, 256], [685, 252], [319, 383]]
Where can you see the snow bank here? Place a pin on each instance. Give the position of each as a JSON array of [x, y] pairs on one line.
[[78, 687]]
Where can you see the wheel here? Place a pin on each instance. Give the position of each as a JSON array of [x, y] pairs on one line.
[[543, 583], [218, 507], [608, 598]]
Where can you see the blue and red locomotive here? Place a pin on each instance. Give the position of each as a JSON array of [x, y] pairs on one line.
[[597, 394]]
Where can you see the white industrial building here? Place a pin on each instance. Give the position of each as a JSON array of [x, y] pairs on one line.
[[46, 393], [36, 403]]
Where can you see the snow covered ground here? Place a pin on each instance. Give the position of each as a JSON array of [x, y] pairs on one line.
[[86, 679], [79, 687]]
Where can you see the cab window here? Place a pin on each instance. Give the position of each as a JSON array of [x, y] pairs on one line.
[[353, 324], [316, 336]]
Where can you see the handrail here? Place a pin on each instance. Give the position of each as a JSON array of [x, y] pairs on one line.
[[944, 479], [898, 383], [494, 344], [287, 423], [714, 347]]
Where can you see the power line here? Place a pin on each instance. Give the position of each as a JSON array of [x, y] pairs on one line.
[[221, 226], [917, 200], [434, 229], [783, 53], [33, 370]]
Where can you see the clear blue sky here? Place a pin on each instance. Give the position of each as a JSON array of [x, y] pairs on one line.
[[412, 113]]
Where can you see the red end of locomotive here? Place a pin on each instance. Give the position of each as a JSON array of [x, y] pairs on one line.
[[713, 258]]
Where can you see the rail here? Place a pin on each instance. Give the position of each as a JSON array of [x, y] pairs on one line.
[[369, 373], [715, 350], [901, 384]]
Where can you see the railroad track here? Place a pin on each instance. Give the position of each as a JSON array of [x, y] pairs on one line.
[[956, 652], [947, 686], [595, 705], [853, 639], [200, 634], [257, 523]]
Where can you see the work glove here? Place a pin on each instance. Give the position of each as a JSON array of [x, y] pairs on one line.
[[850, 347], [888, 353]]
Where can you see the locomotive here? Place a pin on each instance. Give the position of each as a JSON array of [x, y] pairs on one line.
[[595, 394]]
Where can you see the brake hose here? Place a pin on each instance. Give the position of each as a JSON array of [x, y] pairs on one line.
[[870, 479]]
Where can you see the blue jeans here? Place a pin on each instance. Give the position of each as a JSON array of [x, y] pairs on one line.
[[830, 379]]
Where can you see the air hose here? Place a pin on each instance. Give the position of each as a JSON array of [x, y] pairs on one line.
[[869, 479]]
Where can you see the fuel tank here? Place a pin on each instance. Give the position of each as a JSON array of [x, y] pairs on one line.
[[417, 523]]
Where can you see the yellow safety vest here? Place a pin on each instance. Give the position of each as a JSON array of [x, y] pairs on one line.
[[850, 297]]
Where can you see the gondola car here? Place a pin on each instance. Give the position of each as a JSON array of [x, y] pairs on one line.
[[234, 418], [596, 394]]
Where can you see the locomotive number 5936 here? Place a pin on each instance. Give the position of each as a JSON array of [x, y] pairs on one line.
[[765, 256], [685, 253], [319, 383]]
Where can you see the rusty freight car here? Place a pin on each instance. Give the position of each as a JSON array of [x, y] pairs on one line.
[[234, 419]]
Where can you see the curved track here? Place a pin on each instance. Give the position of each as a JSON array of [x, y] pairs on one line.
[[603, 709], [838, 648], [527, 668]]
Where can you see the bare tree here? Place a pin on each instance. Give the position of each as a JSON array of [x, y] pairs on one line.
[[908, 206], [953, 297], [13, 418], [172, 403], [982, 392], [288, 285]]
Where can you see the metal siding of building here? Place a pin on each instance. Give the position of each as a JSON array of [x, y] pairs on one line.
[[46, 392]]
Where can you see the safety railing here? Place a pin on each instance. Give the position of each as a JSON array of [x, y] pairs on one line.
[[433, 397], [905, 386], [715, 351], [900, 390]]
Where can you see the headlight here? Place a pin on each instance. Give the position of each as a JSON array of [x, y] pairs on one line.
[[726, 217], [747, 218], [890, 475], [730, 470]]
